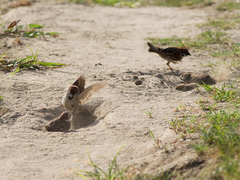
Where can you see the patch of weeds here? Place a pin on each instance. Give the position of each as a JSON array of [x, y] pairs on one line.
[[173, 41], [220, 135], [27, 63], [179, 3], [119, 3], [228, 6], [218, 128], [180, 108], [113, 172], [225, 93], [223, 135], [229, 54], [30, 30], [149, 113], [156, 141], [209, 37], [200, 149], [184, 126], [204, 104], [220, 24], [136, 3], [201, 41], [227, 49]]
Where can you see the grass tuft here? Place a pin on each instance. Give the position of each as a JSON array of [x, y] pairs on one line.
[[156, 140], [113, 172], [30, 30], [27, 63], [149, 113], [218, 128], [200, 42]]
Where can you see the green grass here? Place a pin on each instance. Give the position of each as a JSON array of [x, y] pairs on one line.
[[30, 30], [121, 3], [156, 140], [224, 21], [200, 42], [227, 49], [149, 113], [225, 93], [179, 3], [30, 62], [136, 3], [186, 124], [113, 171], [222, 135], [221, 24], [218, 128], [228, 6]]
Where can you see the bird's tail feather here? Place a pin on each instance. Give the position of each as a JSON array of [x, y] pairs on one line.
[[152, 48]]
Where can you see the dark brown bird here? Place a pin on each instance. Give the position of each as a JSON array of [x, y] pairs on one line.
[[171, 54], [59, 124], [77, 94], [199, 79]]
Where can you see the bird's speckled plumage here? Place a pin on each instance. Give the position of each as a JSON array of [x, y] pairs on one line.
[[171, 54]]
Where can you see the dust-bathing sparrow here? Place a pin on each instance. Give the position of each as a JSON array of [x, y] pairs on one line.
[[61, 123], [77, 95], [171, 54], [199, 79]]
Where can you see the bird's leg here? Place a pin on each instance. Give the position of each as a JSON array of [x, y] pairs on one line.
[[169, 66]]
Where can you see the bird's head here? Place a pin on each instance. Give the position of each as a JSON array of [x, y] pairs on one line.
[[184, 52], [72, 91]]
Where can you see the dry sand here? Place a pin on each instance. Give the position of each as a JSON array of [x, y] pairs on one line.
[[104, 43]]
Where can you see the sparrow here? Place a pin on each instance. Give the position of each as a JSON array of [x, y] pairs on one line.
[[77, 95], [61, 123], [171, 54], [199, 79]]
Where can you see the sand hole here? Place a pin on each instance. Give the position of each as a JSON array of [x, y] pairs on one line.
[[90, 113]]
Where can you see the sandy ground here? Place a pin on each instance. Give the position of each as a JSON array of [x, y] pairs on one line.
[[104, 43]]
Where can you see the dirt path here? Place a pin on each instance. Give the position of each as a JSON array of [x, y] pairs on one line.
[[115, 38]]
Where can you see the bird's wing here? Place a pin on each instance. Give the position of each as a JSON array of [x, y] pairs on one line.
[[172, 52], [80, 83], [88, 92]]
